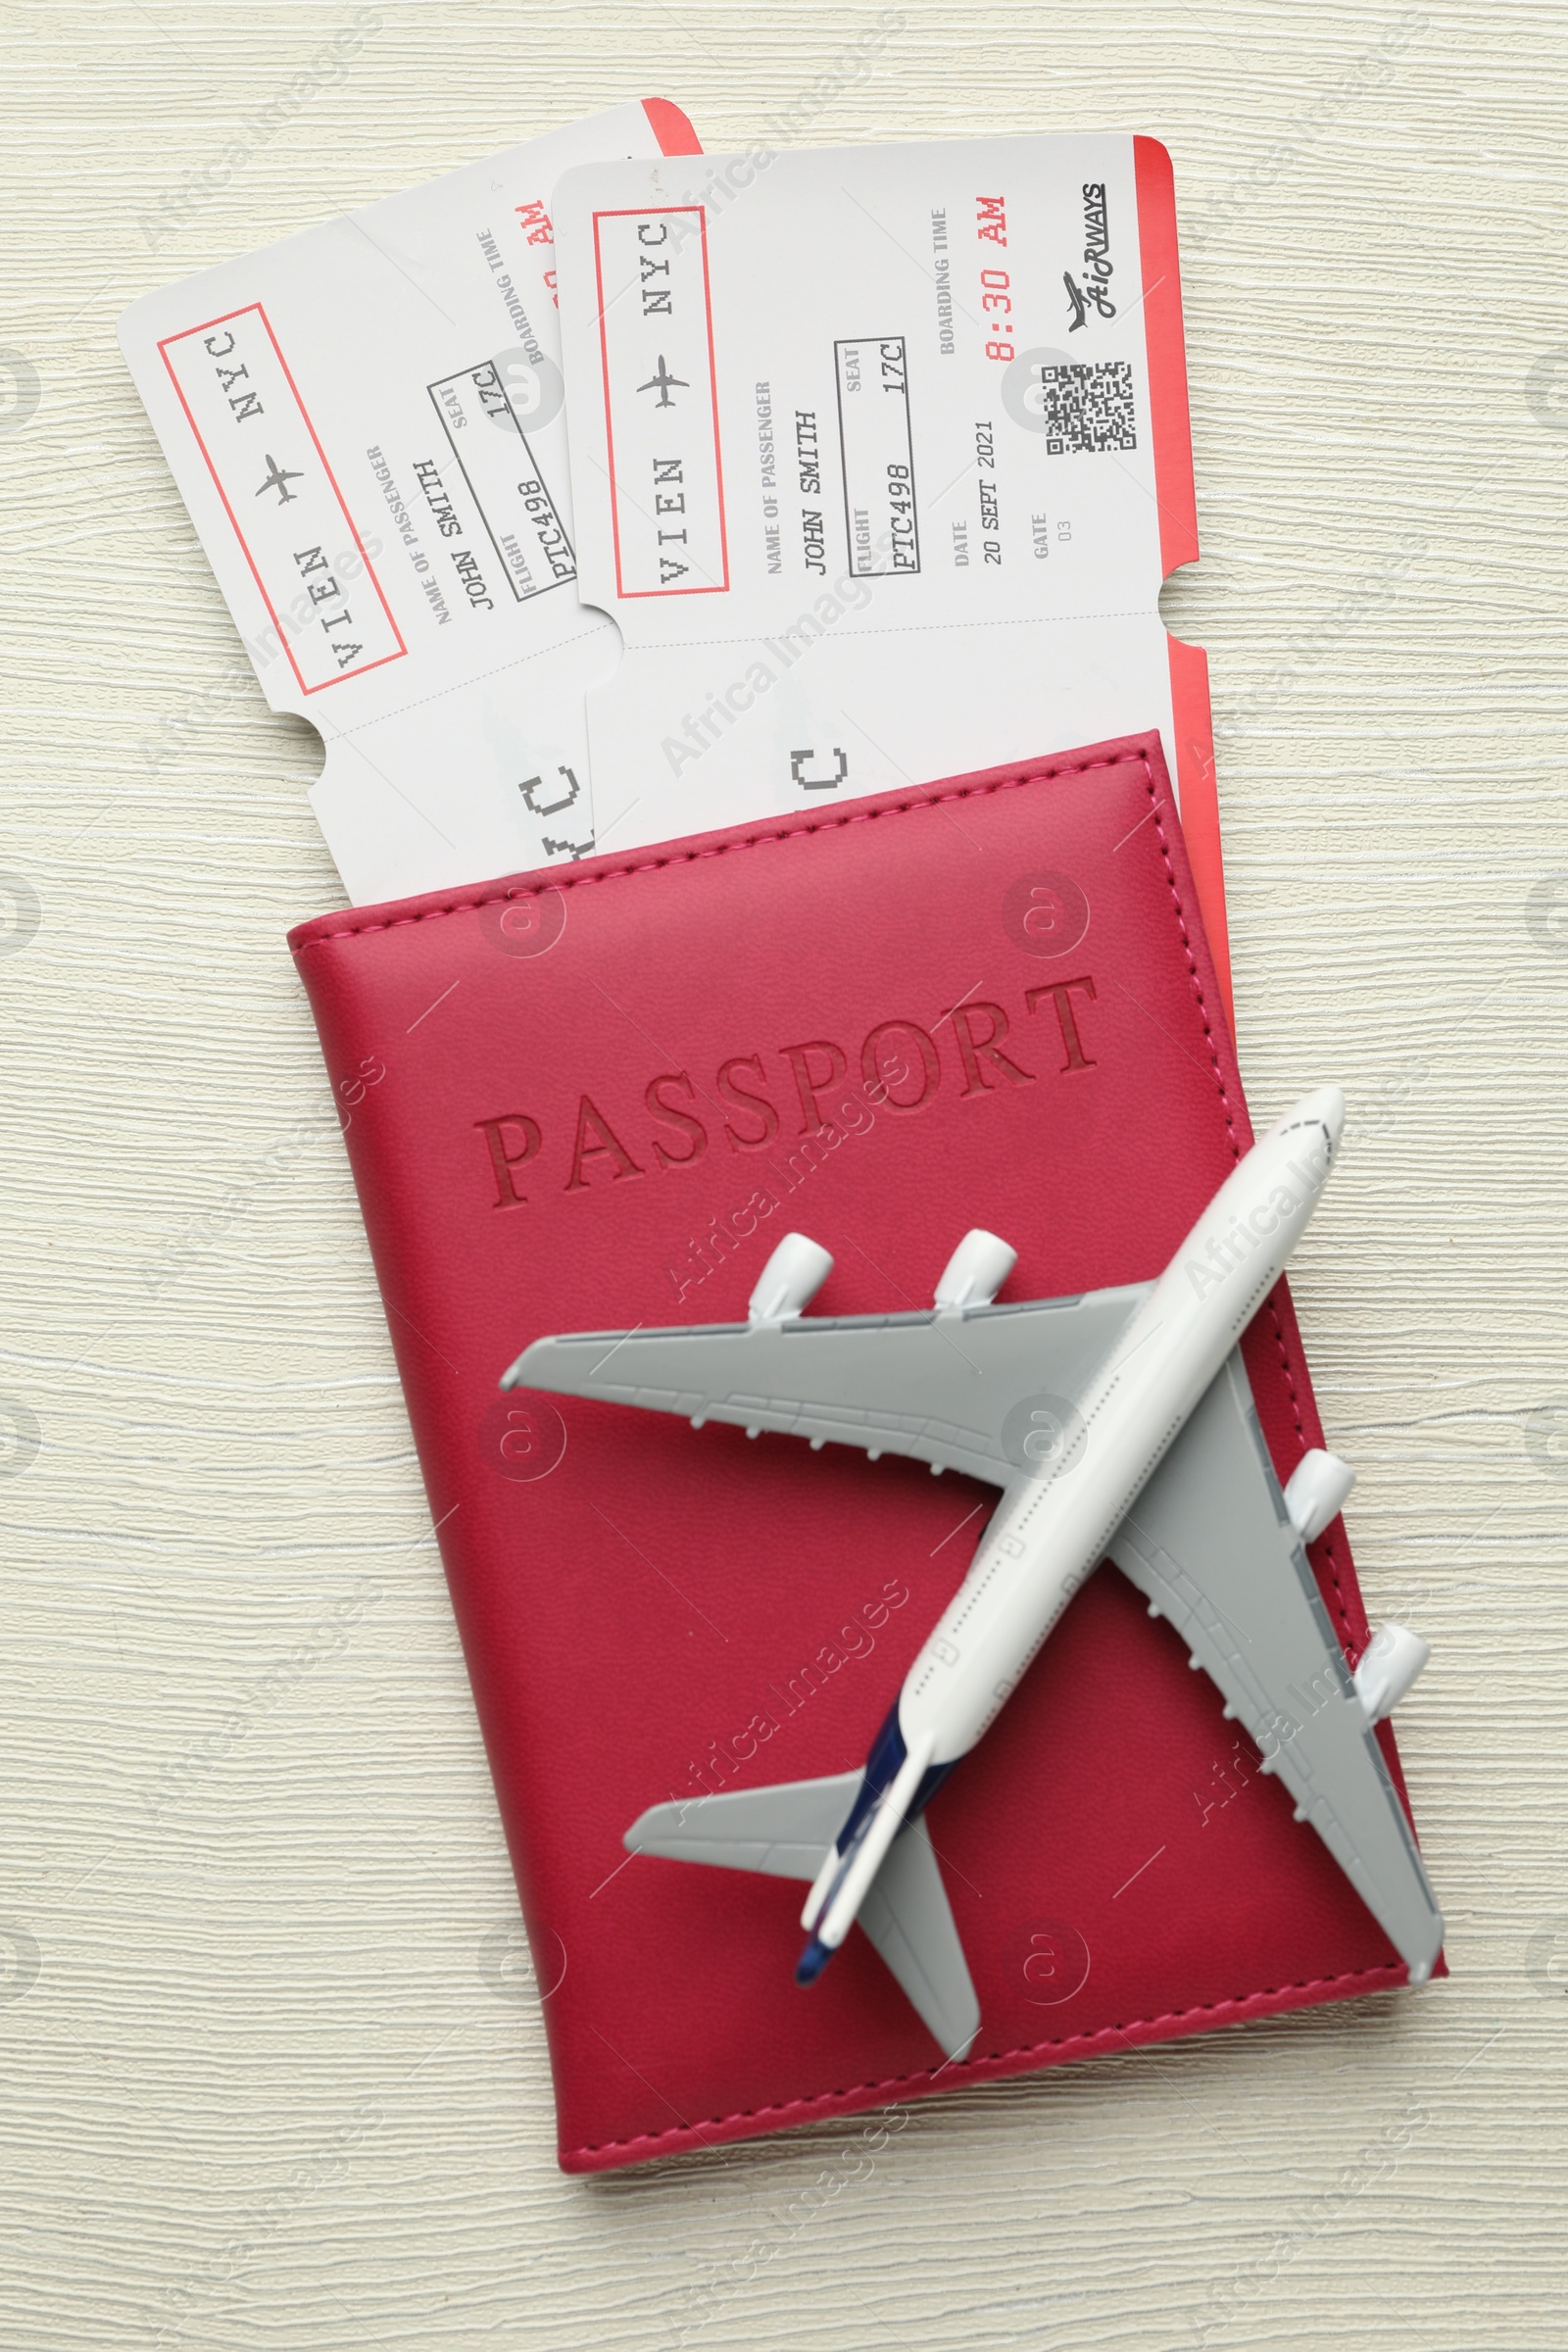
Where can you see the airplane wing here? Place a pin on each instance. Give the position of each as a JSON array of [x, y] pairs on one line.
[[786, 1831], [1211, 1545], [939, 1387]]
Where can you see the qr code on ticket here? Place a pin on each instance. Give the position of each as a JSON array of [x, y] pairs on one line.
[[1087, 406]]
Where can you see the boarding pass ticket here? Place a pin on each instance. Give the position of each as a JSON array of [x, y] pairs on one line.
[[879, 456], [366, 425]]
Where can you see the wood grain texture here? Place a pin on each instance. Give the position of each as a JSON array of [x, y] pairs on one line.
[[274, 2077]]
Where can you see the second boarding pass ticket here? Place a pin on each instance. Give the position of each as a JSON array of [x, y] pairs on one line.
[[365, 423], [879, 458]]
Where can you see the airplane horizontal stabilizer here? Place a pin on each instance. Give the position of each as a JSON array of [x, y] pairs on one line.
[[908, 1918], [786, 1832]]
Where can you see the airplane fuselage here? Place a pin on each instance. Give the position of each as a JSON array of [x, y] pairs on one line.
[[1055, 1521], [1051, 1530]]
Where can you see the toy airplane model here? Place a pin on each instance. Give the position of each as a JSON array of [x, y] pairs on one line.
[[1117, 1425]]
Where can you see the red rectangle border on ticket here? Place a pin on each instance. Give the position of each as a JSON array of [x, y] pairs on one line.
[[660, 387], [244, 410]]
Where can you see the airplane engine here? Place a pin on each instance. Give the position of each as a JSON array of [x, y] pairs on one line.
[[976, 1271], [1390, 1664], [1315, 1491], [790, 1280]]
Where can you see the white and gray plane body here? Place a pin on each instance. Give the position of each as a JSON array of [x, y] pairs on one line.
[[1118, 1425]]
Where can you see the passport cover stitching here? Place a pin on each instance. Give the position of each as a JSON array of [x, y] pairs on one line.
[[1369, 1978], [752, 841]]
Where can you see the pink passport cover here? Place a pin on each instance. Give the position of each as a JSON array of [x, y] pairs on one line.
[[598, 1097]]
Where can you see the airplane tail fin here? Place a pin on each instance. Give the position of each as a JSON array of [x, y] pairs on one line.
[[787, 1832]]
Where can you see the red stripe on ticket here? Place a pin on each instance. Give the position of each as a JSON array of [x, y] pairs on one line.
[[270, 471], [661, 386]]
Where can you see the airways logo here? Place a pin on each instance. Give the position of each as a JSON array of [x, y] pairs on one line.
[[1098, 270]]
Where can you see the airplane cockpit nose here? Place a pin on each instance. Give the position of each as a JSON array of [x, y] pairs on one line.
[[1323, 1108], [1326, 1106]]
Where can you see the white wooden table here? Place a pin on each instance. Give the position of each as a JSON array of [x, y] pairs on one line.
[[272, 2078]]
